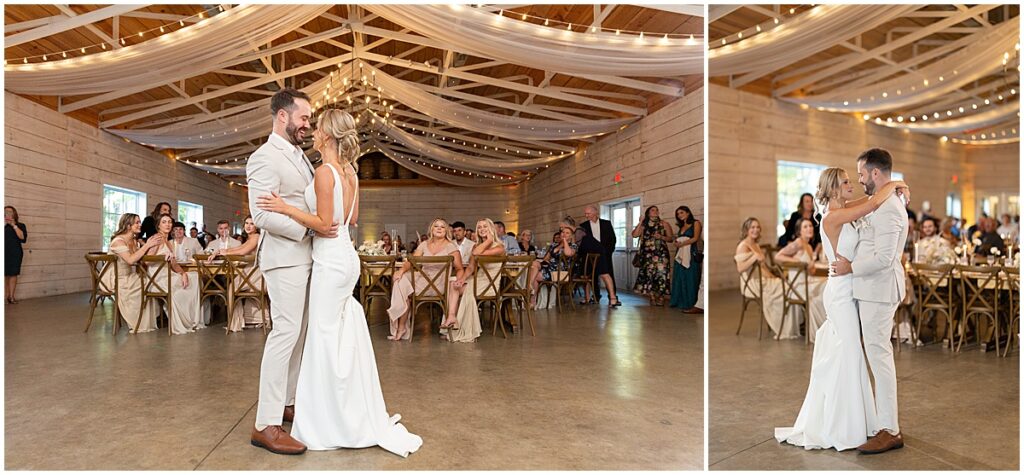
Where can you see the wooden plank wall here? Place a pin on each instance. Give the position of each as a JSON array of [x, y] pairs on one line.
[[749, 134], [661, 158], [55, 168]]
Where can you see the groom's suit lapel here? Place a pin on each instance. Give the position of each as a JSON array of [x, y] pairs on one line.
[[304, 169]]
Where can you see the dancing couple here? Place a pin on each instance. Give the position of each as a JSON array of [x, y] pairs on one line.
[[325, 379], [863, 240]]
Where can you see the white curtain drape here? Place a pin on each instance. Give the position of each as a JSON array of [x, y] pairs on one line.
[[470, 118], [201, 47], [973, 121], [461, 160], [404, 160], [486, 34], [815, 30], [945, 76]]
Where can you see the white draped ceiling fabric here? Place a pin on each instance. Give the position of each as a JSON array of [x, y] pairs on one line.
[[810, 32], [565, 51], [531, 138], [981, 58], [964, 82], [204, 46]]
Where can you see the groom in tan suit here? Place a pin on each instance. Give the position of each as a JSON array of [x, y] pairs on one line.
[[879, 285], [285, 258]]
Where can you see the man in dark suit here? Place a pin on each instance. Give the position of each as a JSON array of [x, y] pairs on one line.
[[600, 229]]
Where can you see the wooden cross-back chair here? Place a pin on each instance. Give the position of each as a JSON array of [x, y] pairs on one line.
[[105, 282], [979, 292], [210, 286], [488, 289], [155, 272], [795, 290], [435, 289], [588, 267], [1013, 326], [244, 286], [752, 290], [560, 280], [516, 272], [376, 279], [934, 286]]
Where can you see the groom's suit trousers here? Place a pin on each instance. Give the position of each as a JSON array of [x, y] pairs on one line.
[[876, 319], [279, 373]]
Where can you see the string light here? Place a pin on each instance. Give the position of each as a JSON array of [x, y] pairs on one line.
[[123, 40]]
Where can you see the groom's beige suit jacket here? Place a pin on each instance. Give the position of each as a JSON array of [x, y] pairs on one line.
[[277, 166], [878, 274]]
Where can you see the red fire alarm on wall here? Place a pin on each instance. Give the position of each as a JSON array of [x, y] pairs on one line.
[[618, 178]]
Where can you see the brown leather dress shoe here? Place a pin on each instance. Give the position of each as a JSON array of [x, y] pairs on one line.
[[289, 414], [276, 440], [882, 442]]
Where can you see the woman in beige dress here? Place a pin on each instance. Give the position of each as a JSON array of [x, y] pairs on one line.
[[800, 250], [749, 254], [185, 315], [440, 243], [129, 291], [487, 244], [248, 313]]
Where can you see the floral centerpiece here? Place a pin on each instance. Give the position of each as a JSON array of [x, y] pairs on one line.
[[371, 248]]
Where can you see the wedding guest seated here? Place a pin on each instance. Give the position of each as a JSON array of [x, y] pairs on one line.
[[802, 251], [990, 239], [125, 246], [194, 234], [508, 241], [388, 245], [224, 239], [588, 245], [185, 316], [249, 312], [542, 270], [526, 242], [462, 240], [749, 254], [933, 249], [804, 210], [438, 244], [951, 238], [184, 247], [471, 234], [466, 327], [1008, 228]]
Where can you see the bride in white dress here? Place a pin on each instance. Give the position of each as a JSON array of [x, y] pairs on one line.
[[839, 408], [338, 399]]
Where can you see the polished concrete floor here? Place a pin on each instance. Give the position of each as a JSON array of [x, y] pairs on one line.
[[595, 389], [957, 411]]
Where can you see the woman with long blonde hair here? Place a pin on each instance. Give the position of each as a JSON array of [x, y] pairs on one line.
[[839, 408], [125, 245], [439, 243], [338, 398], [488, 243]]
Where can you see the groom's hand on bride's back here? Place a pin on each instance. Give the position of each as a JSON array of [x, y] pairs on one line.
[[841, 266], [333, 233]]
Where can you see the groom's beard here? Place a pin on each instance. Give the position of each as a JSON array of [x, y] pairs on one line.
[[292, 130], [869, 188]]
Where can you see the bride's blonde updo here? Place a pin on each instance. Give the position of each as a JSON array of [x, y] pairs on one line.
[[340, 126], [829, 186]]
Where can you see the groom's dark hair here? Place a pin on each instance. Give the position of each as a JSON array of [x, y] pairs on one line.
[[285, 99], [877, 158]]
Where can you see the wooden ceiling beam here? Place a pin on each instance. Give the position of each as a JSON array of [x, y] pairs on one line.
[[69, 23]]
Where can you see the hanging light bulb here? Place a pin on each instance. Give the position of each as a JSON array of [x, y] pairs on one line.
[[161, 29], [776, 21], [545, 22]]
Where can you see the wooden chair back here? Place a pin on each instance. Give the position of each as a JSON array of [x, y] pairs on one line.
[[105, 282], [155, 272]]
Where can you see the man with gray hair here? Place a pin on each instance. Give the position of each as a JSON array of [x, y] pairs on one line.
[[602, 231]]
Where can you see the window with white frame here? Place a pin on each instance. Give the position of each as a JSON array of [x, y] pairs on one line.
[[116, 202], [190, 214]]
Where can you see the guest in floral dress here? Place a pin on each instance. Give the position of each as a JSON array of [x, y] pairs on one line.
[[654, 260]]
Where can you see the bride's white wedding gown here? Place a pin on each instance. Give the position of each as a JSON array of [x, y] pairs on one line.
[[338, 400], [839, 409]]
